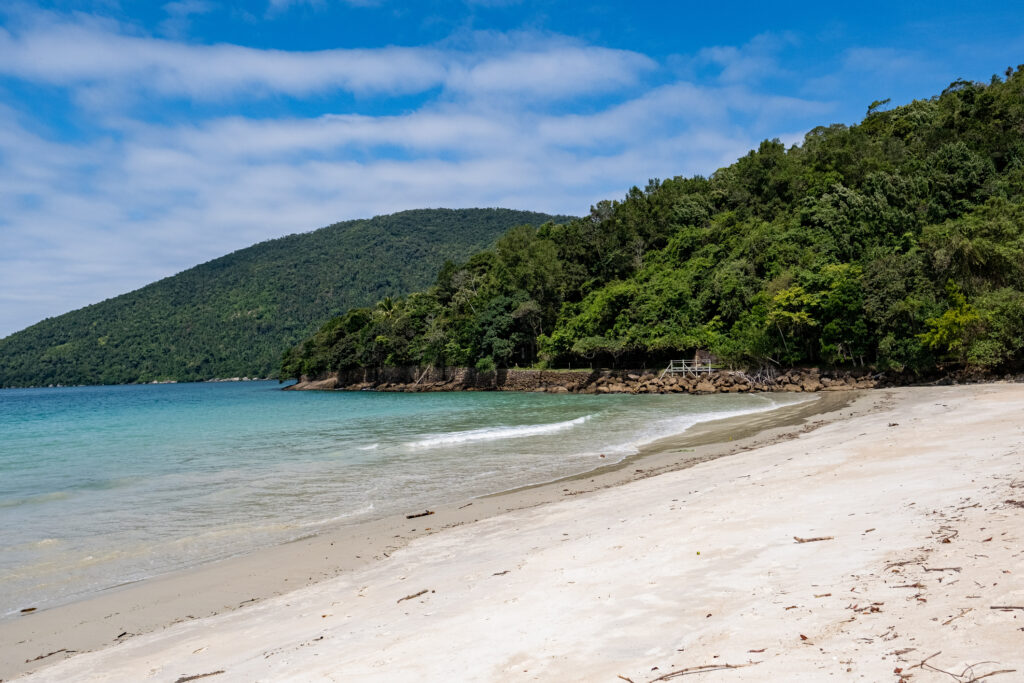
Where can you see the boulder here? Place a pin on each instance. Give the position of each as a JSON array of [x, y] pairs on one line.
[[705, 387]]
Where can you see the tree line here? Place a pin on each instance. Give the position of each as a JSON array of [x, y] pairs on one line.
[[896, 243], [231, 317]]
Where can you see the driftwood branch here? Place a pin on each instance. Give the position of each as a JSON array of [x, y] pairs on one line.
[[196, 677], [419, 514], [49, 654], [812, 540], [414, 595], [700, 669], [966, 676]]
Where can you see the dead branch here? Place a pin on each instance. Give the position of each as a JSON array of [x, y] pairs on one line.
[[419, 514], [899, 564], [924, 661], [196, 677], [414, 595], [991, 673], [812, 540], [625, 678], [700, 669], [966, 676], [963, 611], [1005, 607], [943, 569], [49, 654]]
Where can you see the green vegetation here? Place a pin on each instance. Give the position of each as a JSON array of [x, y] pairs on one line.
[[898, 243], [232, 316]]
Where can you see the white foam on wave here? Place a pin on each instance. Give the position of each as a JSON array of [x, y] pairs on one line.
[[371, 447], [496, 433], [675, 426]]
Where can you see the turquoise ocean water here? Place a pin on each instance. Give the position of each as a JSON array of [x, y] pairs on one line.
[[104, 485]]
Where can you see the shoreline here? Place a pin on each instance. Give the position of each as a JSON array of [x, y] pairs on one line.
[[883, 544], [117, 614]]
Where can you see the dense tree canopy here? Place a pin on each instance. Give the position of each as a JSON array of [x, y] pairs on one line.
[[232, 316], [897, 242]]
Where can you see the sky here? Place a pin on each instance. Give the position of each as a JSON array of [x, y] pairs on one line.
[[138, 139]]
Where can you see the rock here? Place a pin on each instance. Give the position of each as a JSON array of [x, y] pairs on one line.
[[811, 384], [705, 387]]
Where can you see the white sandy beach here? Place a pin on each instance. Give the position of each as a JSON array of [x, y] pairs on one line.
[[920, 502]]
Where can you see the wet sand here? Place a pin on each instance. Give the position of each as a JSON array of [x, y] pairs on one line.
[[882, 546], [118, 615]]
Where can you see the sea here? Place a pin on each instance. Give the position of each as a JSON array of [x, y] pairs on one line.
[[101, 486]]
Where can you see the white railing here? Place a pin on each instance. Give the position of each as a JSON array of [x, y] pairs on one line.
[[692, 367]]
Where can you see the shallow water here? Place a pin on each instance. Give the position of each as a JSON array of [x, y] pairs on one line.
[[105, 485]]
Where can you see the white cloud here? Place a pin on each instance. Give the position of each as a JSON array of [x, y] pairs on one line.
[[278, 6], [747, 64], [89, 54], [139, 200], [179, 15]]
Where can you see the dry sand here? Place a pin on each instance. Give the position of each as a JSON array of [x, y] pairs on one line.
[[918, 494]]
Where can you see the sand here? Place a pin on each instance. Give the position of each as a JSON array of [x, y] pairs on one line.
[[917, 493]]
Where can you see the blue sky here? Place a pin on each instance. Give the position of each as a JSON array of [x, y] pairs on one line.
[[140, 138]]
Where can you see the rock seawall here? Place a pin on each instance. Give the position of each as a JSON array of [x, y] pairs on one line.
[[412, 379]]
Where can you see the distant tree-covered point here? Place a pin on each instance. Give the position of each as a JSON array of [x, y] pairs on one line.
[[896, 243], [231, 317]]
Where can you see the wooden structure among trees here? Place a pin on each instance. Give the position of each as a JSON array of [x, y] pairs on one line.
[[690, 367]]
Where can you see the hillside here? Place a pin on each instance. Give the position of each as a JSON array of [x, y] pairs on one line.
[[896, 243], [232, 316]]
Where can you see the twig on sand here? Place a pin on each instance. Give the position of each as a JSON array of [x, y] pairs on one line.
[[991, 673], [966, 676], [626, 678], [196, 677], [700, 669], [49, 654], [963, 611], [1006, 607], [812, 540], [419, 514], [943, 569], [414, 595]]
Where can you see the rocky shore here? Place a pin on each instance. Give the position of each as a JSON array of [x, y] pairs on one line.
[[588, 381]]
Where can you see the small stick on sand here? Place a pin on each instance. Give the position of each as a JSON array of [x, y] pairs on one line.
[[414, 595], [963, 611], [1005, 607], [943, 569], [49, 654], [196, 677], [700, 669], [419, 514], [812, 540]]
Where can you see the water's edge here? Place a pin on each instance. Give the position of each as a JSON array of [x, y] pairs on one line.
[[102, 619]]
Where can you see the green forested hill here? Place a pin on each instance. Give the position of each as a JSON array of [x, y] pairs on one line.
[[897, 242], [232, 316]]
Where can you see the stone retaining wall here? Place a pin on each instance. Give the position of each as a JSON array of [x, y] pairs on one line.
[[411, 379]]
